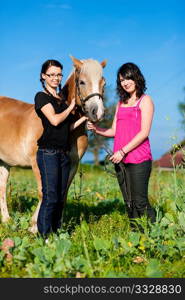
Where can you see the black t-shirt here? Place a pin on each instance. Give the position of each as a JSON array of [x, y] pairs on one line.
[[53, 137]]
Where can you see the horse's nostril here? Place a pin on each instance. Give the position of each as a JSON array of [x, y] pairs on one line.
[[94, 111]]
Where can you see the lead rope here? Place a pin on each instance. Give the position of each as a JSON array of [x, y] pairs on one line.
[[123, 171]]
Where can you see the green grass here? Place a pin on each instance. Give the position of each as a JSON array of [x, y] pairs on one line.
[[96, 239]]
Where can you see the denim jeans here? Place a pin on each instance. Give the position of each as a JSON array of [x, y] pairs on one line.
[[54, 166], [133, 180]]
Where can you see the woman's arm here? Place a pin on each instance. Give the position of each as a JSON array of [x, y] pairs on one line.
[[110, 132], [54, 118], [78, 122], [147, 110]]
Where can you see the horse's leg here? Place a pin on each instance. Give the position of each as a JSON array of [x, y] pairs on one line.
[[73, 170], [78, 149], [36, 172], [4, 174]]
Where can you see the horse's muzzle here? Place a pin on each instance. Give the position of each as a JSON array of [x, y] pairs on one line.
[[95, 113]]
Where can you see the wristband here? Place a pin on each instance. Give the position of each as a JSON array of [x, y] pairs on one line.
[[122, 152]]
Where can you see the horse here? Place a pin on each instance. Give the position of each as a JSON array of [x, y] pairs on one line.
[[20, 127]]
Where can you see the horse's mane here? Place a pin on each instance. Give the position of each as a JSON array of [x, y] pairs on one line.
[[89, 65], [92, 66]]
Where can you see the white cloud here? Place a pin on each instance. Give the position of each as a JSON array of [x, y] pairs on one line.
[[58, 6]]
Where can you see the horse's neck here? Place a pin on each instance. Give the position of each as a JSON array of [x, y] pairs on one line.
[[69, 92], [69, 88]]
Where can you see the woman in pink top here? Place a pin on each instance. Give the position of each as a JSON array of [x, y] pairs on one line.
[[130, 128]]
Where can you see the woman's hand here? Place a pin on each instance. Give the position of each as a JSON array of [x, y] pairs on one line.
[[84, 118], [91, 126], [117, 157], [78, 122], [72, 104]]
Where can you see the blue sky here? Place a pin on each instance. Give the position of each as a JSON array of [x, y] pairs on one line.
[[148, 33]]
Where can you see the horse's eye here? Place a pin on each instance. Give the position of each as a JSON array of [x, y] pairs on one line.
[[82, 82]]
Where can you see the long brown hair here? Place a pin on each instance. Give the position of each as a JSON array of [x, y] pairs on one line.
[[130, 71]]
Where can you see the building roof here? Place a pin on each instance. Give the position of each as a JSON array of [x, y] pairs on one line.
[[174, 157]]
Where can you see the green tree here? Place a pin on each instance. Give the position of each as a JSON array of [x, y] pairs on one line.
[[181, 107], [96, 142]]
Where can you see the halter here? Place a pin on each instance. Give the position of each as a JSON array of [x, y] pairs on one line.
[[83, 100]]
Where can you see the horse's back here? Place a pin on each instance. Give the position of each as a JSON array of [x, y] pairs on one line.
[[19, 129], [10, 104]]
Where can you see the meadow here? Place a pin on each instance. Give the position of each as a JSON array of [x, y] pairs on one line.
[[96, 239]]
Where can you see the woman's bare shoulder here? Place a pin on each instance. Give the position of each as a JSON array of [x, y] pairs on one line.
[[147, 102], [147, 99]]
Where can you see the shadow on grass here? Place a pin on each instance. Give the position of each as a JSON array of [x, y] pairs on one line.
[[23, 204], [75, 210]]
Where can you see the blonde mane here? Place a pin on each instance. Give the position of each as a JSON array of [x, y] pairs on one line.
[[90, 66]]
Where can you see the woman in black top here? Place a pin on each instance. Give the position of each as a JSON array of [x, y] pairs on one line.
[[52, 157]]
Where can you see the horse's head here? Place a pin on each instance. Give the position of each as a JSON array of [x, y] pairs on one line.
[[89, 87]]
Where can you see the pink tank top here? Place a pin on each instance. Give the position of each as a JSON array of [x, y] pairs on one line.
[[127, 126]]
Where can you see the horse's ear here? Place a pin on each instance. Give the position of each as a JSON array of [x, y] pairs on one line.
[[103, 63], [77, 63]]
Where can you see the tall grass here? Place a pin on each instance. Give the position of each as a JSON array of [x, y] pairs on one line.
[[96, 239]]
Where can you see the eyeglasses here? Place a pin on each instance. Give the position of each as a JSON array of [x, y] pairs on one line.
[[59, 75]]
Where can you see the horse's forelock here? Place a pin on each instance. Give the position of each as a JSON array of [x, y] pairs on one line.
[[91, 66]]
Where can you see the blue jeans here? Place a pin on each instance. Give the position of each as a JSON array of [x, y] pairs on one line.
[[54, 166]]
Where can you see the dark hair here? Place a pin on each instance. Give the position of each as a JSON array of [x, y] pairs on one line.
[[48, 63], [130, 71]]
